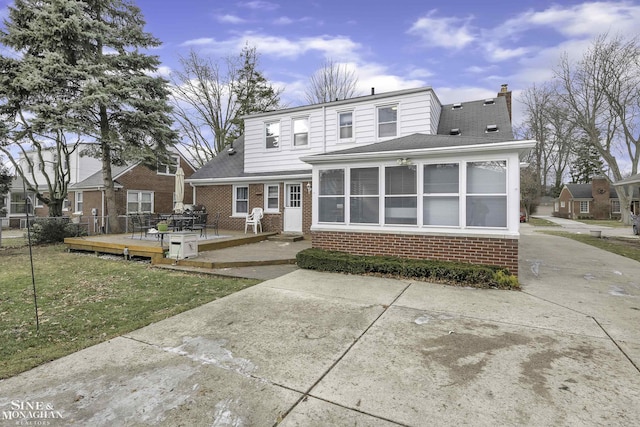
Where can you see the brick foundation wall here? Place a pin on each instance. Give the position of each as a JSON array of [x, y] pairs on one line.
[[502, 252]]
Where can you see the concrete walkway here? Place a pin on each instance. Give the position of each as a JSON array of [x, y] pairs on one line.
[[317, 349]]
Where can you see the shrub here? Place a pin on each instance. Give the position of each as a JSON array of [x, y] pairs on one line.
[[53, 230], [482, 276]]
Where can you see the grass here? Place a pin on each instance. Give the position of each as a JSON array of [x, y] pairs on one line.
[[540, 222], [84, 300], [603, 222], [626, 247]]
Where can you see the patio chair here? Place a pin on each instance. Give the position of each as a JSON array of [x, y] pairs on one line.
[[199, 223], [253, 220], [140, 224], [215, 224]]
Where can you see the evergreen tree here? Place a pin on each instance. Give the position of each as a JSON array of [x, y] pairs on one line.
[[253, 92], [103, 85], [587, 164]]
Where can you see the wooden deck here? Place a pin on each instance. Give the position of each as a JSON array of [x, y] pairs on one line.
[[150, 246]]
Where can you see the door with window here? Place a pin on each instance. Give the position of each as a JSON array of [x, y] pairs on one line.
[[293, 208]]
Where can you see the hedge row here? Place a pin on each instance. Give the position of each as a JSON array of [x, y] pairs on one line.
[[481, 276]]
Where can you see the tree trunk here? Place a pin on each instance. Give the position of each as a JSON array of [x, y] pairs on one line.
[[107, 177], [55, 207]]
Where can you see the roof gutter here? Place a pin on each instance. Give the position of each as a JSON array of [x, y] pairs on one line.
[[245, 179]]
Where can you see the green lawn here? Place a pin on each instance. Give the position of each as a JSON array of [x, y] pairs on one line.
[[84, 300], [539, 222]]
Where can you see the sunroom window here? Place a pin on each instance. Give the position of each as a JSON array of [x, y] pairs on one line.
[[487, 194], [365, 196], [331, 196], [441, 199], [401, 198]]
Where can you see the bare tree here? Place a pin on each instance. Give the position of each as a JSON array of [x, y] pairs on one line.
[[331, 82], [546, 122], [602, 95], [209, 100]]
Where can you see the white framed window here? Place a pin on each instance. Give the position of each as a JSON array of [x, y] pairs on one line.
[[79, 201], [271, 197], [272, 135], [331, 196], [487, 194], [364, 200], [169, 168], [345, 126], [584, 206], [615, 206], [563, 204], [441, 195], [139, 201], [18, 203], [387, 121], [240, 200], [66, 204], [401, 198], [301, 132]]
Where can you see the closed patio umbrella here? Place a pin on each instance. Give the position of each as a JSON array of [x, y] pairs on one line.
[[179, 190]]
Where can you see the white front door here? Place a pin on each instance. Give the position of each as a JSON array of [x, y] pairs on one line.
[[293, 208]]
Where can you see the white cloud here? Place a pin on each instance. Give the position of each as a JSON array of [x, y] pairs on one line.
[[283, 20], [230, 19], [260, 5], [280, 47], [453, 33]]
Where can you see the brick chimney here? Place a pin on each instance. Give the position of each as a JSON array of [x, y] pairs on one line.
[[504, 91], [600, 191]]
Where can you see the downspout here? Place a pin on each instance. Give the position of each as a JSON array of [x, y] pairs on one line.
[[103, 212]]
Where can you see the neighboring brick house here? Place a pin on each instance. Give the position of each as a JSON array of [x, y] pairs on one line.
[[396, 174], [595, 200], [138, 189]]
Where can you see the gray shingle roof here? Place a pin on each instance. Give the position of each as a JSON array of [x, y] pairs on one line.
[[96, 181], [473, 117], [415, 141], [580, 191]]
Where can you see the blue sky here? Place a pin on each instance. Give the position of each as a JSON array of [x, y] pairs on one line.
[[464, 49]]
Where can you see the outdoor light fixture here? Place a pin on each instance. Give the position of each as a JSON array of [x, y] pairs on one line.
[[404, 161], [309, 187]]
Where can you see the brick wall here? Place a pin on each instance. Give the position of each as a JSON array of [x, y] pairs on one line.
[[502, 252]]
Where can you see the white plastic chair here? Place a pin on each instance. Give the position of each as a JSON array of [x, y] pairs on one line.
[[253, 220]]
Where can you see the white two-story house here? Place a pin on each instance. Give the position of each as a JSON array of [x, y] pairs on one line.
[[395, 173]]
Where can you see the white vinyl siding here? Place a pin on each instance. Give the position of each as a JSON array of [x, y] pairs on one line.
[[414, 116]]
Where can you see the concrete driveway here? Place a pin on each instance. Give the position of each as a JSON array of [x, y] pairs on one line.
[[317, 349]]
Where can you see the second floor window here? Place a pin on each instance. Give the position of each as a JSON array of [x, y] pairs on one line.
[[387, 121], [346, 125], [300, 132], [272, 135]]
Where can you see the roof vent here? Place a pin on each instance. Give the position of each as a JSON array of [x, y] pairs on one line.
[[489, 101], [454, 131], [231, 151], [491, 128], [457, 106]]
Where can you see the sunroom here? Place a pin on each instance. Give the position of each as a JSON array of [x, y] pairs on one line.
[[421, 196]]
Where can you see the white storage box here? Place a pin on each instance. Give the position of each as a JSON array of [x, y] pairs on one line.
[[183, 245]]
